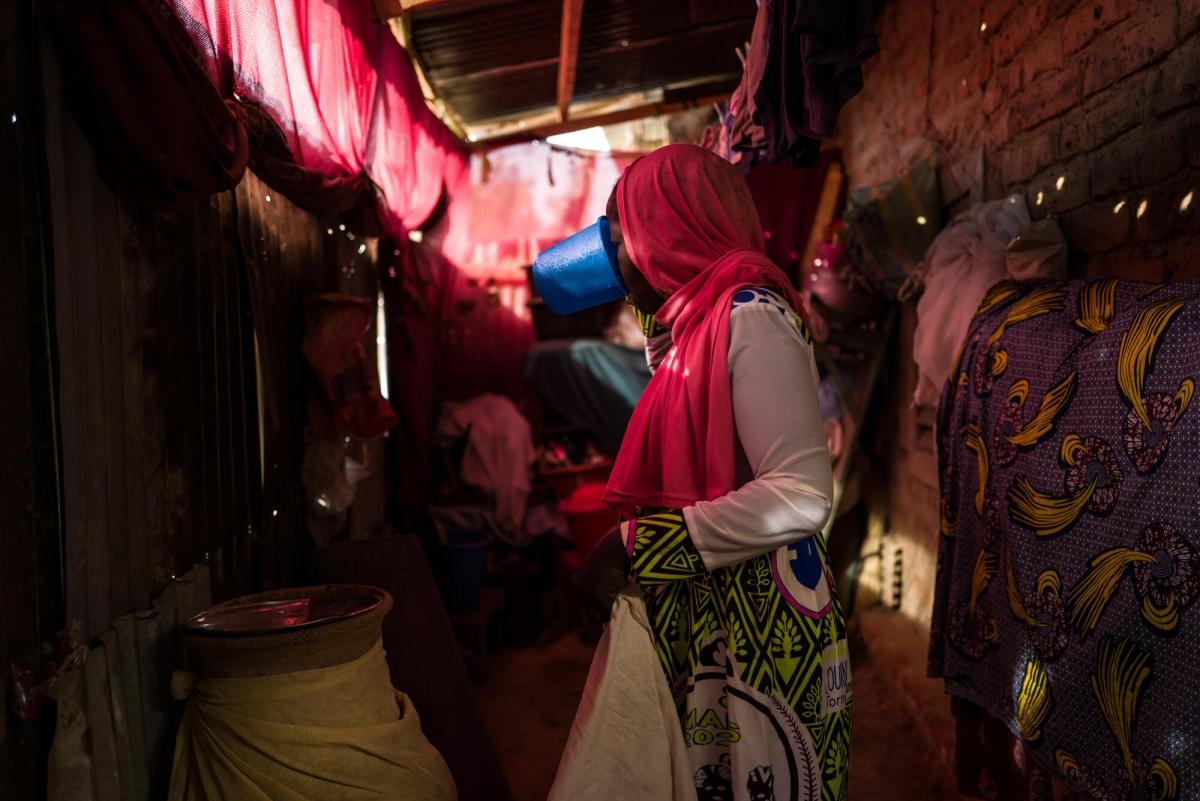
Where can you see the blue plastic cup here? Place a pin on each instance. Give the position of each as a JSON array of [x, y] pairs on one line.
[[580, 272]]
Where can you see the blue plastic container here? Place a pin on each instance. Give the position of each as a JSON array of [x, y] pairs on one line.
[[465, 558], [580, 272]]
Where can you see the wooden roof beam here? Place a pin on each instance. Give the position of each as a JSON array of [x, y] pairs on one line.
[[568, 54], [387, 9], [609, 118]]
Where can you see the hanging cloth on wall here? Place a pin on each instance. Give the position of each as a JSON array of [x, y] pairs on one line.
[[333, 346], [811, 68], [1068, 570], [499, 456], [971, 255], [316, 95], [345, 98], [163, 135]]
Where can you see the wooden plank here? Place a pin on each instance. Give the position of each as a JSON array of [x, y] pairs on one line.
[[568, 54], [153, 688], [169, 650], [171, 658], [185, 599], [228, 368], [138, 536], [608, 118], [211, 262], [154, 436], [386, 9], [105, 769], [62, 140], [202, 595], [467, 78], [107, 327], [131, 686], [69, 765], [206, 421], [85, 271], [121, 724], [261, 301], [176, 364]]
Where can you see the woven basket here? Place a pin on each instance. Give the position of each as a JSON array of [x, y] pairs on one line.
[[211, 655]]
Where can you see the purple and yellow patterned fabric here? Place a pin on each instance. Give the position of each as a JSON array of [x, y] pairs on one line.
[[1069, 454]]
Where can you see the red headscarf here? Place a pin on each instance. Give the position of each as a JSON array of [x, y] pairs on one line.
[[691, 228]]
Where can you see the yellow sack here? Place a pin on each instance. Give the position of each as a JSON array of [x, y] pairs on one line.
[[331, 734]]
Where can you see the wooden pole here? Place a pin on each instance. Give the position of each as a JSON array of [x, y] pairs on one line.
[[568, 54], [609, 118]]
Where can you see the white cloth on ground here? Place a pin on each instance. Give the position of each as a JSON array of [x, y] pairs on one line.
[[626, 742]]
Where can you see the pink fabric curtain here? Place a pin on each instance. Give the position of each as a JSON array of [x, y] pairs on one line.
[[411, 156], [519, 201], [163, 136], [343, 94], [511, 204]]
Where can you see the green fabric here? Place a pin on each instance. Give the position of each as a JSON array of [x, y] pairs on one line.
[[650, 325], [778, 649]]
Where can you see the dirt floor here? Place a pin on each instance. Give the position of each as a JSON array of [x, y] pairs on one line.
[[530, 696]]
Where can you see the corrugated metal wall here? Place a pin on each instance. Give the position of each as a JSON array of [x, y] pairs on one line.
[[160, 321]]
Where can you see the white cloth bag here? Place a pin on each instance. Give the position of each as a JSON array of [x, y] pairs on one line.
[[626, 742]]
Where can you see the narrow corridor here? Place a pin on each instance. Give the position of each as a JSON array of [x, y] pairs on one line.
[[529, 701]]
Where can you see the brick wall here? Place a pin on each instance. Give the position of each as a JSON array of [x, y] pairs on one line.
[[1012, 96]]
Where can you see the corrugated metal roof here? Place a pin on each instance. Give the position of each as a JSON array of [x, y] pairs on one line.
[[490, 59]]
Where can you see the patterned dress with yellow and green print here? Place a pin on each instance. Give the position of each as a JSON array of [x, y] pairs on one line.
[[755, 654]]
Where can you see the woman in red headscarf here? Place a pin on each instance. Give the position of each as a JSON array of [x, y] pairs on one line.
[[725, 484]]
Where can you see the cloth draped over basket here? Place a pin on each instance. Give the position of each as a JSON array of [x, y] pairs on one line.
[[332, 733]]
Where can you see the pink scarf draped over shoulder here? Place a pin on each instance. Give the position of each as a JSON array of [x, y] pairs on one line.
[[691, 228]]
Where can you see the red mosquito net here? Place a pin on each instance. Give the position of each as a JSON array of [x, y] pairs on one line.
[[344, 95]]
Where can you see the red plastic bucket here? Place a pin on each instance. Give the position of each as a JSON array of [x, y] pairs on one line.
[[588, 517]]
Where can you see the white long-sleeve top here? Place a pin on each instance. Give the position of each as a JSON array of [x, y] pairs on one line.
[[773, 378]]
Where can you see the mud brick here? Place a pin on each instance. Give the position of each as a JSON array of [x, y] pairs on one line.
[[1003, 86], [1095, 227], [1137, 264], [1103, 118], [1076, 186], [1129, 46], [1026, 155], [1048, 96], [1018, 28], [1089, 19], [1180, 260], [1139, 158], [1189, 17], [1191, 138], [1044, 54], [1177, 82], [1162, 215]]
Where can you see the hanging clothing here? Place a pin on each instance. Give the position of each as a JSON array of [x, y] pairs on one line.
[[1068, 566], [499, 456], [746, 135], [726, 481], [811, 68], [591, 383]]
